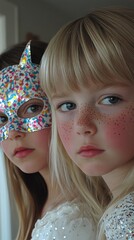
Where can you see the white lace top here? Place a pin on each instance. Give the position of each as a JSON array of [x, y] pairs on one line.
[[119, 222], [68, 221]]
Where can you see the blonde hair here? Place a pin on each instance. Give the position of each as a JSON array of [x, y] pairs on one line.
[[99, 47], [29, 198]]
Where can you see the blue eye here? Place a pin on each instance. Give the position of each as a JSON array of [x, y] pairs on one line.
[[110, 100], [68, 106]]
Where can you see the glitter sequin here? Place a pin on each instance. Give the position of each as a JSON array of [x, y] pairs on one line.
[[18, 84], [119, 222], [67, 222]]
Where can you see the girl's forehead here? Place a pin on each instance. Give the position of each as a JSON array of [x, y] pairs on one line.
[[68, 87]]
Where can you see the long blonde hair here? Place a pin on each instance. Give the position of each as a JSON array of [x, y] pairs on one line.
[[29, 190], [30, 193], [98, 46]]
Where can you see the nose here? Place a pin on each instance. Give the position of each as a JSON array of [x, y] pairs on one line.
[[16, 134], [86, 122]]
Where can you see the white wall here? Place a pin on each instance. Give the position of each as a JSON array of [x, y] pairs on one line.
[[3, 31], [38, 17], [5, 214], [9, 13], [8, 215], [45, 17]]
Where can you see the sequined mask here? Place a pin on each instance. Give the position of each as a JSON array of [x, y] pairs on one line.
[[19, 86]]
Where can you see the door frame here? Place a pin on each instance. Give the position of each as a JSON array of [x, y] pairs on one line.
[[10, 12]]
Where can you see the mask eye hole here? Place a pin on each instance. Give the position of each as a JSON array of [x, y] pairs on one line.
[[31, 108], [3, 119]]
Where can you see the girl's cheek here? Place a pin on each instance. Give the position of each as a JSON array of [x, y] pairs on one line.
[[119, 131], [65, 133], [4, 147]]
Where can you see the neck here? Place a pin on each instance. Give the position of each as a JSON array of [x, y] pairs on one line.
[[115, 178]]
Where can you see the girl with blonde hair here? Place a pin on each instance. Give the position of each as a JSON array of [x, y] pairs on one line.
[[88, 74], [45, 209]]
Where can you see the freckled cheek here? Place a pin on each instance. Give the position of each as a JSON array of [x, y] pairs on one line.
[[65, 133], [120, 131]]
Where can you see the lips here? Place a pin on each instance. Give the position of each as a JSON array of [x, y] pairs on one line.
[[89, 151], [22, 152]]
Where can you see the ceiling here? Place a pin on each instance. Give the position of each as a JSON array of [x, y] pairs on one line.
[[77, 8]]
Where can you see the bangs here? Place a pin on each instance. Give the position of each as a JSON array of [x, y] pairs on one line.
[[85, 51]]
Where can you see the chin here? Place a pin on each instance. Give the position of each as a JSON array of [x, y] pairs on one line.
[[28, 170]]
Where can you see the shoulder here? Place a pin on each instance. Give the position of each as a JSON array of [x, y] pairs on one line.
[[119, 221], [67, 221]]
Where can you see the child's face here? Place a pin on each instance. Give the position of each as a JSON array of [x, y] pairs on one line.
[[96, 126], [28, 151]]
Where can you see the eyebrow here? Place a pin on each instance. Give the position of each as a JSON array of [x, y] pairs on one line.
[[59, 95]]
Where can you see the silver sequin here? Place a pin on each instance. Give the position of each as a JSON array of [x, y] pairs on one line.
[[119, 222]]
